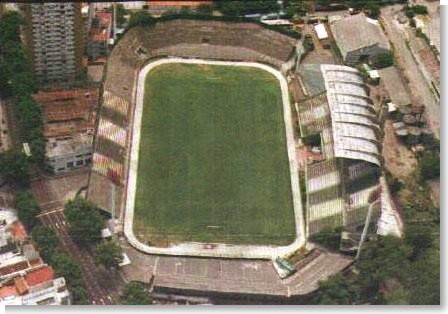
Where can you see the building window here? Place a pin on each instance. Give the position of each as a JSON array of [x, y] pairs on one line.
[[79, 162], [70, 164]]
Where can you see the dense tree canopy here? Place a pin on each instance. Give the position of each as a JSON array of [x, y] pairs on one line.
[[27, 208], [382, 60], [14, 167], [17, 80], [121, 12], [244, 7], [85, 221], [46, 240], [429, 165], [65, 266], [141, 18], [108, 254], [135, 294]]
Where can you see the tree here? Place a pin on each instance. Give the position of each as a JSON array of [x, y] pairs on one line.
[[14, 167], [141, 18], [85, 221], [135, 294], [65, 266], [205, 9], [121, 12], [336, 290], [424, 278], [108, 254], [46, 240], [420, 238], [27, 208], [373, 10], [79, 295], [240, 8], [429, 165], [382, 60], [10, 23]]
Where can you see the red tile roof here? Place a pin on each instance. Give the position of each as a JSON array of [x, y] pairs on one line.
[[13, 268], [18, 231], [21, 285], [39, 276], [6, 291]]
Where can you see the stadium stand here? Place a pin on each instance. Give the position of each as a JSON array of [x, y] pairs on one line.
[[186, 38], [339, 188]]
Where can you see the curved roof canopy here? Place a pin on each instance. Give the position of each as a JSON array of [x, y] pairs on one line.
[[353, 120]]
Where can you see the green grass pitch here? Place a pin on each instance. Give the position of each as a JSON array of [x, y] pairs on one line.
[[213, 163]]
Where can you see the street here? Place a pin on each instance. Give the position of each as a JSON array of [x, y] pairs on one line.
[[51, 193], [105, 293], [420, 90]]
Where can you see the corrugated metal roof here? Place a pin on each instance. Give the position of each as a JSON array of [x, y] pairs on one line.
[[356, 32], [354, 126]]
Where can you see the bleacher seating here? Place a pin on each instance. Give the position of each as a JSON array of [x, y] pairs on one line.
[[193, 39]]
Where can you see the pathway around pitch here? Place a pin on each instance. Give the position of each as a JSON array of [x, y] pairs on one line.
[[218, 249]]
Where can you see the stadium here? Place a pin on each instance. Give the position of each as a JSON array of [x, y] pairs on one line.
[[222, 159], [195, 150]]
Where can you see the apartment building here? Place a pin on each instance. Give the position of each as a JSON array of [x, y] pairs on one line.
[[54, 37], [65, 154]]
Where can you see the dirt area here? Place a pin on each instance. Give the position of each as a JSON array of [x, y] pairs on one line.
[[398, 159], [435, 190], [319, 55], [420, 90]]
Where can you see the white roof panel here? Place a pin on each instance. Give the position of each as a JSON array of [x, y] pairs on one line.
[[321, 31], [353, 119]]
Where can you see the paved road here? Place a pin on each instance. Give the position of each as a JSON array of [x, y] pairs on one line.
[[420, 90], [98, 293], [52, 193]]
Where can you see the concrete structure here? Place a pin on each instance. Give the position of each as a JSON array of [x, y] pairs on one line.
[[25, 279], [55, 40], [359, 38], [68, 153]]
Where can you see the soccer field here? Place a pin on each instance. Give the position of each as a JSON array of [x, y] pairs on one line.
[[213, 163]]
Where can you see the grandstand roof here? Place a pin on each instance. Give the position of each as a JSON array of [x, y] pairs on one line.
[[358, 31], [353, 122]]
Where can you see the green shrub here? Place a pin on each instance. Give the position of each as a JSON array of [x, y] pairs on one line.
[[382, 60]]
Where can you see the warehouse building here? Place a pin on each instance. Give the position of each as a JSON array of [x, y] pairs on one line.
[[359, 38]]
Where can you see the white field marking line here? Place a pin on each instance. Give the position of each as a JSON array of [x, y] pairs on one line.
[[50, 212], [222, 250]]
